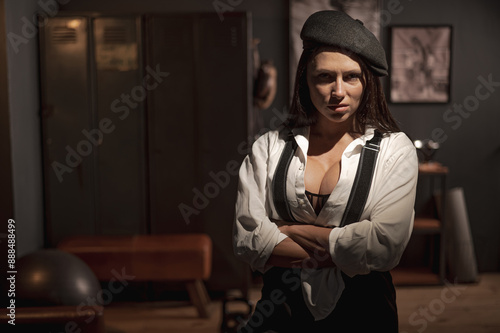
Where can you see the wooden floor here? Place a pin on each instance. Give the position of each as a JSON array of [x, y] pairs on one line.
[[457, 308]]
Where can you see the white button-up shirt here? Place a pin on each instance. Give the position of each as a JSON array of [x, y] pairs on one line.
[[375, 243]]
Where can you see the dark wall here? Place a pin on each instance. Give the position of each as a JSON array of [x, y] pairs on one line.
[[470, 145], [6, 191], [23, 108]]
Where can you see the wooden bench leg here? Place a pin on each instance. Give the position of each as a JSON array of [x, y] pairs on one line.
[[199, 296]]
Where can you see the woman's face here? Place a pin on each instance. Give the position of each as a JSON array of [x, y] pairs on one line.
[[335, 85]]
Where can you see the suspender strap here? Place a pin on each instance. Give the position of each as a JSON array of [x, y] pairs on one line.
[[363, 180], [279, 180]]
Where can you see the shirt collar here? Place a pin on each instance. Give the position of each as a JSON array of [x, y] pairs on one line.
[[301, 135], [357, 144]]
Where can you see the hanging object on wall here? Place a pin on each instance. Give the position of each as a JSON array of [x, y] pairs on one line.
[[420, 64], [265, 85], [265, 79]]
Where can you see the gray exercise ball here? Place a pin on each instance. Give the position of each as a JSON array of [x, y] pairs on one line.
[[53, 277]]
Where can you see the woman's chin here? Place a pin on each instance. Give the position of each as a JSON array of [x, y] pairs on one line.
[[338, 117]]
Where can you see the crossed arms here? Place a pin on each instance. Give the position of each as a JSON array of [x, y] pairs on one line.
[[305, 242]]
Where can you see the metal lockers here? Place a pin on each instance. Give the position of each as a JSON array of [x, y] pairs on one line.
[[139, 113]]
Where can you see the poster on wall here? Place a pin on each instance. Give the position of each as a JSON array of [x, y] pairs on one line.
[[420, 64], [368, 11]]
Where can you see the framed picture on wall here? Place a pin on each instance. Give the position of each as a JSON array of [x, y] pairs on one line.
[[420, 64]]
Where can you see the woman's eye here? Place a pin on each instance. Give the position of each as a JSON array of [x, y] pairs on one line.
[[353, 77]]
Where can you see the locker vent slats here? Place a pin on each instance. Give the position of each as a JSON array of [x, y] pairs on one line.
[[63, 35]]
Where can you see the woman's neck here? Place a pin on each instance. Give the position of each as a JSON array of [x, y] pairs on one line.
[[326, 130], [325, 137]]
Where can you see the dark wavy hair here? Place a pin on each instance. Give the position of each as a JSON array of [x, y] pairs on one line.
[[372, 111]]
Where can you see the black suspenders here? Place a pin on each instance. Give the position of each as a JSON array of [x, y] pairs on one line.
[[359, 191], [279, 180], [363, 181]]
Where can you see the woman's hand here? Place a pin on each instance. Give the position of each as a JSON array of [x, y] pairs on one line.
[[285, 229]]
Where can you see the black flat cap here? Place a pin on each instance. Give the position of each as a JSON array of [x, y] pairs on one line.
[[335, 28]]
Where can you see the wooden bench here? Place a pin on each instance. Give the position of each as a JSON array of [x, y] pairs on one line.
[[178, 257], [66, 318]]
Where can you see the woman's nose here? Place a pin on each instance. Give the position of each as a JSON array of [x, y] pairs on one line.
[[338, 89]]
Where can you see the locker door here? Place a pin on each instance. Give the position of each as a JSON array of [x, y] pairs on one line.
[[119, 107], [66, 113], [172, 112], [93, 126], [223, 86], [197, 119]]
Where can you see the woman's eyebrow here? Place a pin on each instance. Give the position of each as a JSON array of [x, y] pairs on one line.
[[353, 71], [349, 71]]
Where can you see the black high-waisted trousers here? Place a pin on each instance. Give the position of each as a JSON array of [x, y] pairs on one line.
[[367, 304]]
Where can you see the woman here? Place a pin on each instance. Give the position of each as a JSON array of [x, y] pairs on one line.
[[319, 275]]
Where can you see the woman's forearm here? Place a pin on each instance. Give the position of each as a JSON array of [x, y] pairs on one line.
[[309, 236], [290, 253], [313, 239], [287, 254]]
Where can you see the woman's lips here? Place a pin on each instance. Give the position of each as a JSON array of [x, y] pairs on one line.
[[338, 107]]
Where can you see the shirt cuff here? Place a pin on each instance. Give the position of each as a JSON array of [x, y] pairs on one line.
[[332, 241], [281, 237], [350, 259]]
